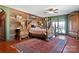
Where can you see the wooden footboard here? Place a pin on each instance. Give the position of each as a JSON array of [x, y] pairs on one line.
[[36, 35]]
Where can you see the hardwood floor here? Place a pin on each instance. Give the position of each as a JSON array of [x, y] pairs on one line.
[[5, 46], [72, 45]]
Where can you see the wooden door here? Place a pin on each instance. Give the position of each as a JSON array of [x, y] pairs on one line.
[[70, 26], [2, 25], [75, 22]]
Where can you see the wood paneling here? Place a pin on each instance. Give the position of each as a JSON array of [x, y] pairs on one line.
[[73, 21]]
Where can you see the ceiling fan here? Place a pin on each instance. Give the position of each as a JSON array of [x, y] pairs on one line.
[[51, 11]]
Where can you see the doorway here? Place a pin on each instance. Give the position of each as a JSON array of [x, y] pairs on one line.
[[2, 24], [59, 26]]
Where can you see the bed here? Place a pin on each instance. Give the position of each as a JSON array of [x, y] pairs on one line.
[[37, 32]]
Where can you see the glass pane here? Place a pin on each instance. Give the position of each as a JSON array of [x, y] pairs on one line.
[[61, 26]]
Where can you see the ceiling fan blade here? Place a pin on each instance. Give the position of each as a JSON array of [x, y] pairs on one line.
[[51, 11], [45, 11], [55, 12], [55, 9]]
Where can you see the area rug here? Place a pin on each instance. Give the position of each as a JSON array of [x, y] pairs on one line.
[[60, 46], [39, 46]]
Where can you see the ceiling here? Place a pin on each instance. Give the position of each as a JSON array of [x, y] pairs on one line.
[[39, 9]]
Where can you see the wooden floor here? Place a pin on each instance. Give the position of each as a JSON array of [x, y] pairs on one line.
[[72, 45]]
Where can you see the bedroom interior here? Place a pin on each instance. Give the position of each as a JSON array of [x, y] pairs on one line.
[[24, 32]]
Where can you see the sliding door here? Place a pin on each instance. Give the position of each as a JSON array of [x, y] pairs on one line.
[[59, 26]]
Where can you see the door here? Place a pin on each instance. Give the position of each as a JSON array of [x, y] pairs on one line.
[[59, 27], [2, 25]]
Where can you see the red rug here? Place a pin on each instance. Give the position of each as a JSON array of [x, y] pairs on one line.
[[40, 46]]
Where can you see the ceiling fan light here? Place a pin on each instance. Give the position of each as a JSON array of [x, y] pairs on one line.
[[50, 12]]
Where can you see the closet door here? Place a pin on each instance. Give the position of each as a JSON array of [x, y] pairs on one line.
[[77, 22], [74, 22], [70, 24]]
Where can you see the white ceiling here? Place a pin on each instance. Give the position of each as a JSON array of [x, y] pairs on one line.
[[39, 9]]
